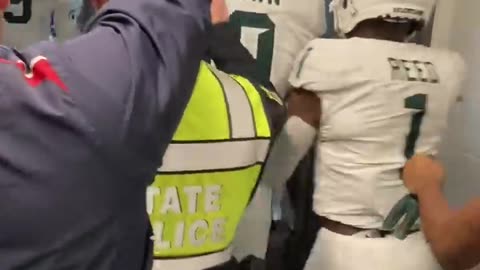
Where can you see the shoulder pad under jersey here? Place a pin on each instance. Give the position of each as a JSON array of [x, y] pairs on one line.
[[320, 65]]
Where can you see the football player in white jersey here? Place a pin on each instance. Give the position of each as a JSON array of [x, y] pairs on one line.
[[383, 100], [274, 31], [37, 20]]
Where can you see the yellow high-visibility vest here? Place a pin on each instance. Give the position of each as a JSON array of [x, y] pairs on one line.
[[211, 167]]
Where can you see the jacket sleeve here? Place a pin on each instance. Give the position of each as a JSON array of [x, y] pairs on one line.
[[132, 74]]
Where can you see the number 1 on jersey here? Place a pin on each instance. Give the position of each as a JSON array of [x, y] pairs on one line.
[[265, 42], [415, 102], [405, 213]]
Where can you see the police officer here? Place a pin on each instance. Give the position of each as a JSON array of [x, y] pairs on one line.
[[210, 171], [84, 126], [213, 165]]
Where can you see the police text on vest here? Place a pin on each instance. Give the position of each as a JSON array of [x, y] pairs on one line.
[[188, 215]]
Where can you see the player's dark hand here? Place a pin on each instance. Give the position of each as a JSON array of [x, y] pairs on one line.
[[306, 105]]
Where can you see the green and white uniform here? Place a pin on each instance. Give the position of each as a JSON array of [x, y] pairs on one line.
[[275, 31], [382, 102]]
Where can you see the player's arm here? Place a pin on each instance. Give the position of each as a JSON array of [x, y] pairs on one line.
[[295, 138], [299, 132], [133, 72], [454, 235]]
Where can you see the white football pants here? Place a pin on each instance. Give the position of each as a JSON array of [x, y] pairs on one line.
[[333, 251]]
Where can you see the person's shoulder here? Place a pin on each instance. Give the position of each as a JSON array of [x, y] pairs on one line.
[[439, 55], [207, 70], [328, 47], [454, 70], [325, 65], [448, 63], [442, 54], [329, 42], [448, 58], [338, 54], [267, 91]]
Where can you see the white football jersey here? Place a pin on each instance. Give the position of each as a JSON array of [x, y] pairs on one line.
[[275, 31], [30, 21], [382, 102]]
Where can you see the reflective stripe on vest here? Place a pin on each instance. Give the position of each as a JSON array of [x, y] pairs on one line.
[[211, 167]]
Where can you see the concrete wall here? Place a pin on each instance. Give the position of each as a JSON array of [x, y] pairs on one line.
[[458, 28]]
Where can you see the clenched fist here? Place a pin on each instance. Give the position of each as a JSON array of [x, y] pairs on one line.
[[306, 105], [422, 172]]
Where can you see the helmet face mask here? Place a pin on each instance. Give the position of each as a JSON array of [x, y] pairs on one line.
[[349, 13]]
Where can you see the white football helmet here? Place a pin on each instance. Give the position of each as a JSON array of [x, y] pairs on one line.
[[348, 13]]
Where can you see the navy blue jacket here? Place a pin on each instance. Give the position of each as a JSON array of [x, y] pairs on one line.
[[83, 128]]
